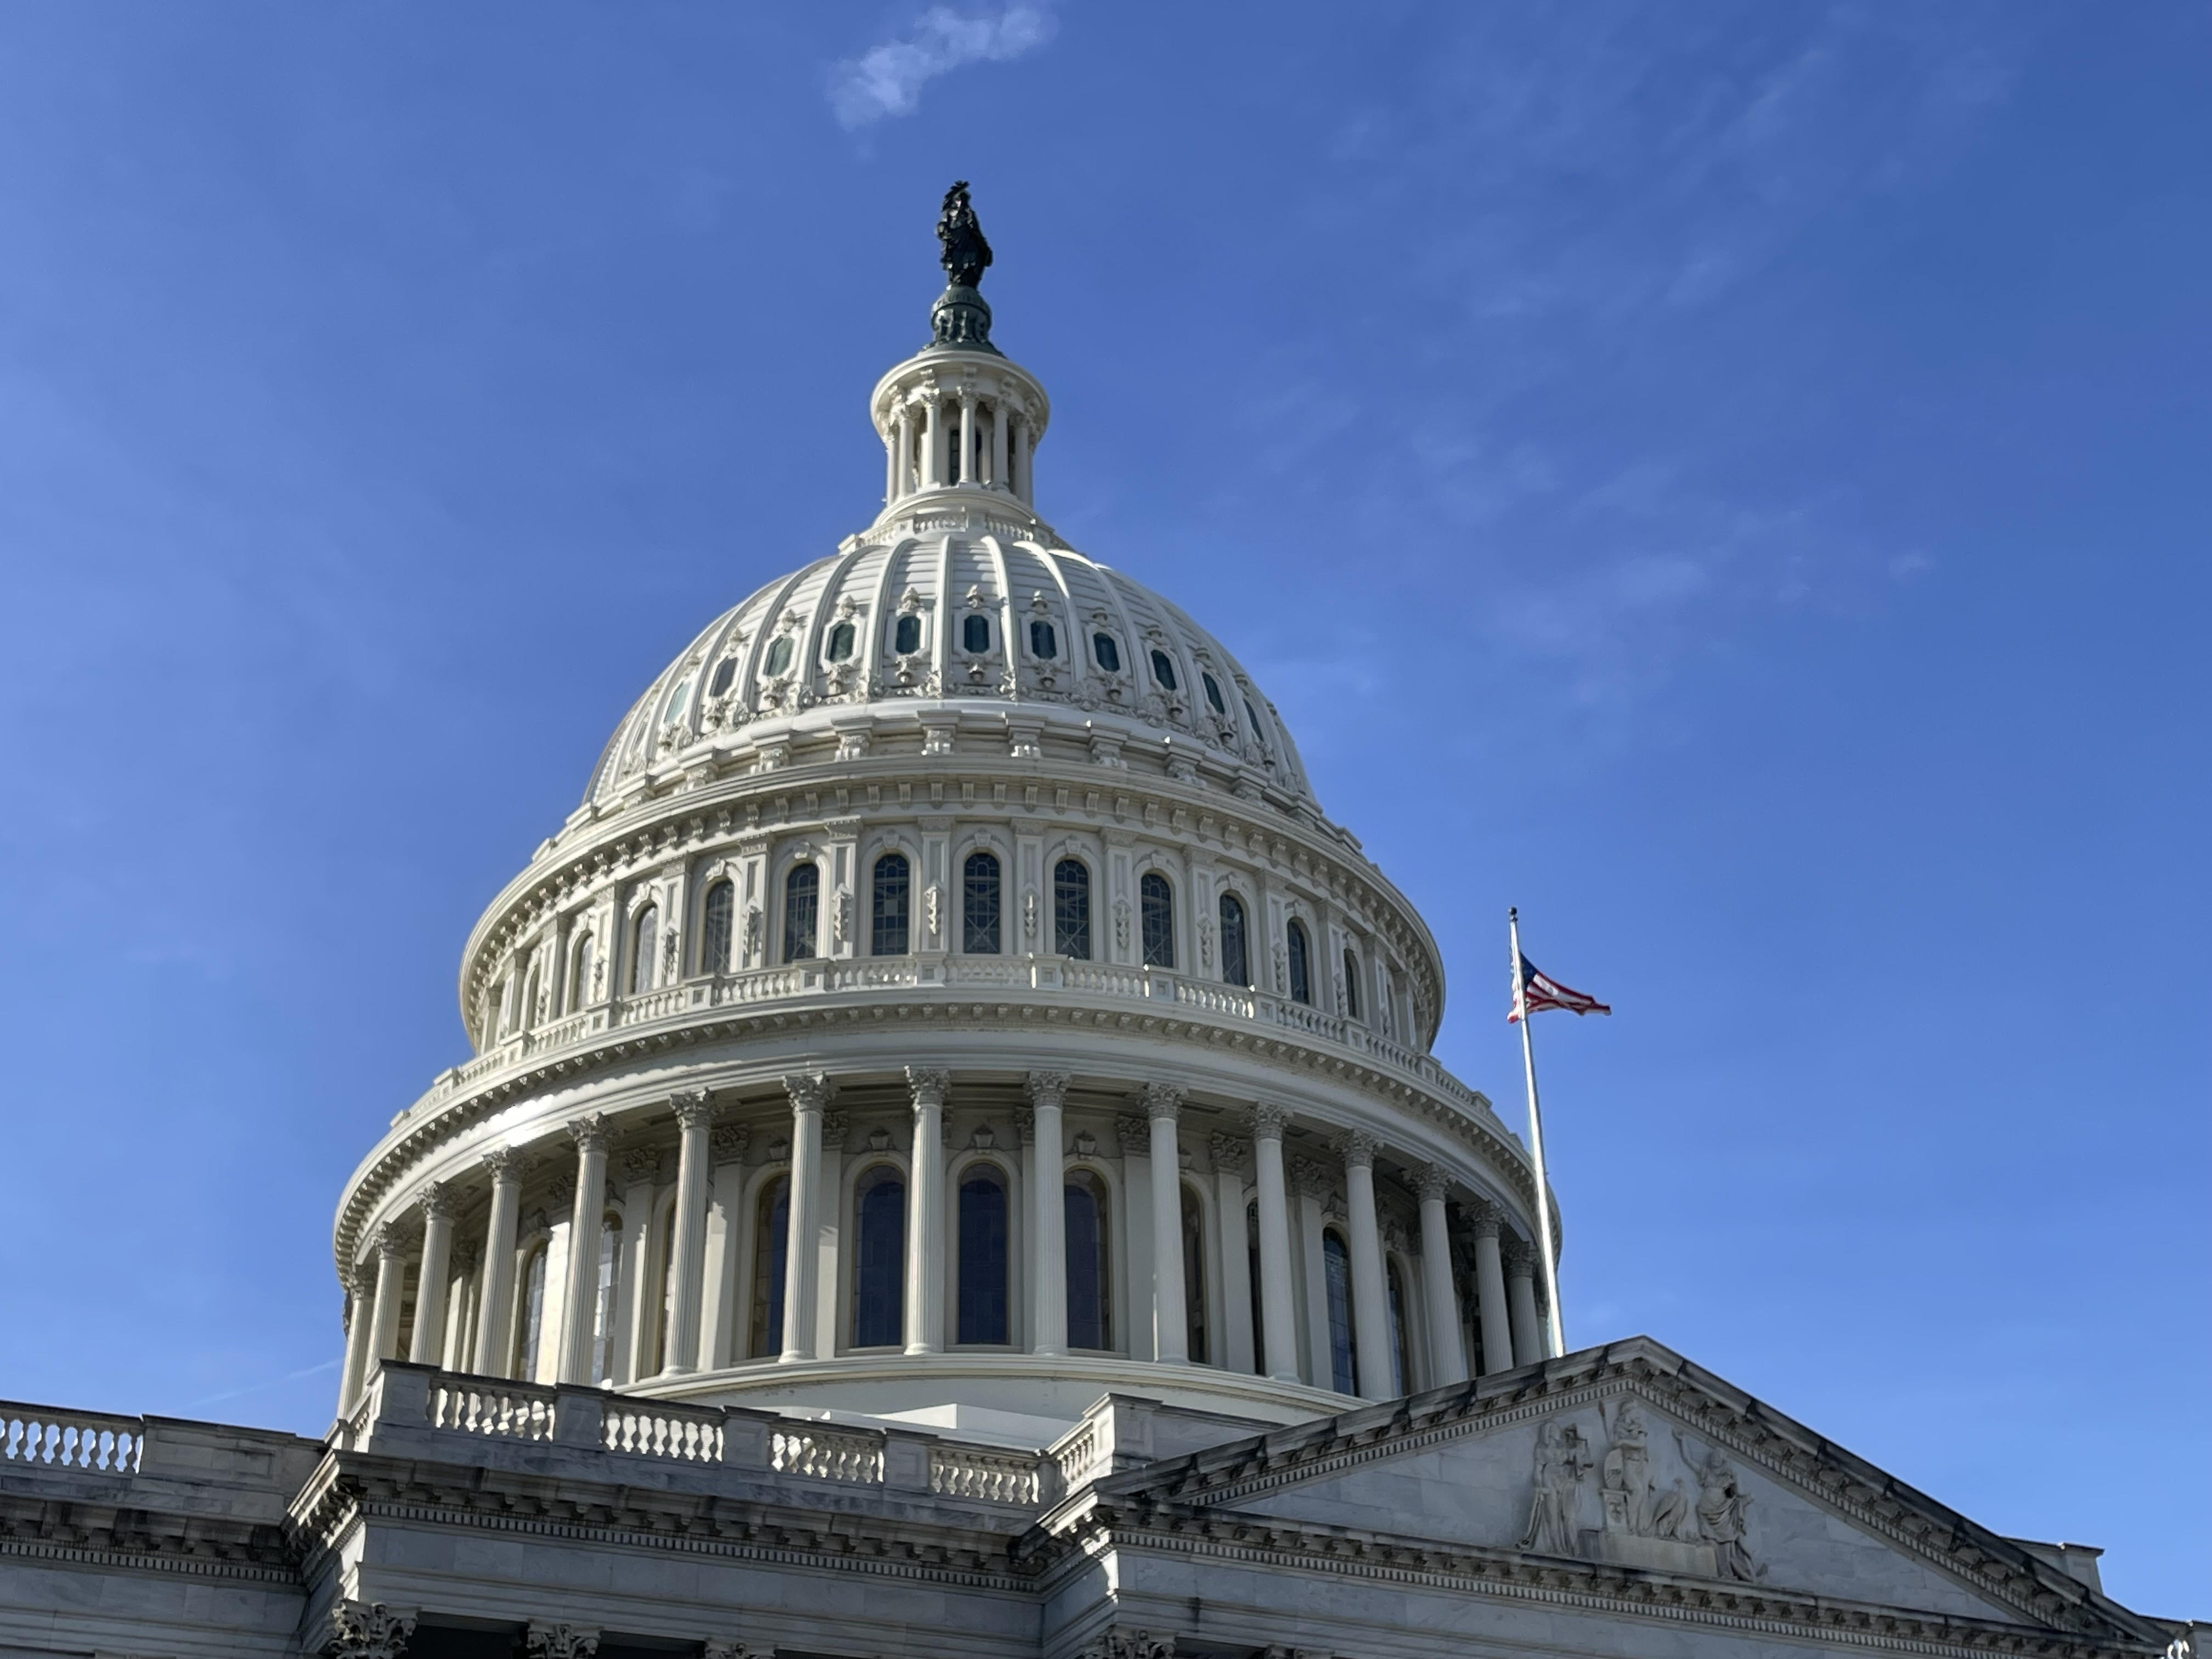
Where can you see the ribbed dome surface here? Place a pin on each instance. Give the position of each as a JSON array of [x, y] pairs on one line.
[[948, 618]]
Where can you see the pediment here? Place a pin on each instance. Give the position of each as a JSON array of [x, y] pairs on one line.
[[1628, 1459]]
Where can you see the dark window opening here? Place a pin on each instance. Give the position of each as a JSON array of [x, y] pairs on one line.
[[1236, 951], [890, 906], [1163, 670], [978, 905], [1043, 642], [840, 641], [906, 638], [1071, 909], [802, 906], [1107, 653], [1155, 917], [1213, 694], [975, 634], [983, 1300]]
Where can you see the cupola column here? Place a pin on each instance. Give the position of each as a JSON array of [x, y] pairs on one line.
[[809, 1093], [965, 472], [695, 1118], [358, 1321], [999, 444], [1023, 448], [925, 1212], [1490, 1290], [1370, 1297], [427, 1343], [903, 463], [1520, 1294], [1279, 1328], [391, 1286], [579, 1306], [1047, 1092], [1232, 1154], [933, 444], [496, 1316], [1170, 1320], [1447, 1351]]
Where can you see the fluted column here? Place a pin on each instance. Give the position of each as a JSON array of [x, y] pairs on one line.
[[1447, 1348], [965, 472], [1025, 462], [933, 444], [1521, 1296], [925, 1212], [1279, 1321], [808, 1093], [1170, 1318], [358, 1321], [1370, 1294], [391, 1286], [496, 1324], [579, 1302], [1233, 1345], [999, 445], [695, 1122], [1048, 1092], [422, 1348], [1490, 1291]]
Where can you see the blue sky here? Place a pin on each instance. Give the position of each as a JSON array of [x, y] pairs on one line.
[[1715, 476]]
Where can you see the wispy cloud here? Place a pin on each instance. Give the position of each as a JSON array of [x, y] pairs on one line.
[[266, 1382], [887, 80]]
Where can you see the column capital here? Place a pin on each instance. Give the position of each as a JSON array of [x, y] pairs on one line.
[[1357, 1150], [390, 1240], [504, 1162], [1046, 1088], [551, 1639], [1484, 1219], [1230, 1152], [1520, 1260], [693, 1108], [810, 1092], [1163, 1100], [1310, 1178], [1267, 1121], [590, 1133], [1133, 1134], [928, 1084], [438, 1202], [1025, 1125], [731, 1142], [1432, 1183], [359, 1630], [641, 1164]]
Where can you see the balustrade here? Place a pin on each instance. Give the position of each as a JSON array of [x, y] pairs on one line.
[[509, 1411], [72, 1440], [995, 1477], [824, 1453], [651, 1430]]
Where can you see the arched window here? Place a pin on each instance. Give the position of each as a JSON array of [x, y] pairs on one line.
[[529, 1001], [1351, 983], [1259, 1302], [603, 1312], [879, 1260], [888, 905], [802, 909], [840, 642], [1390, 1003], [579, 974], [1155, 917], [1071, 909], [779, 654], [644, 941], [1213, 694], [771, 1233], [1336, 1271], [982, 1311], [906, 635], [725, 672], [719, 932], [656, 1294], [1090, 1298], [1236, 952], [978, 905], [1194, 1278], [1301, 966], [1401, 1369], [976, 634], [530, 1326], [1163, 670], [1043, 642], [1108, 654]]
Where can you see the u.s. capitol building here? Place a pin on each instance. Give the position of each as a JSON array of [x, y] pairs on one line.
[[953, 1165]]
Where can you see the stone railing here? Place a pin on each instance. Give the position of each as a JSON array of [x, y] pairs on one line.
[[476, 1404], [649, 1429], [71, 1440], [1079, 1455], [826, 1454], [995, 1477]]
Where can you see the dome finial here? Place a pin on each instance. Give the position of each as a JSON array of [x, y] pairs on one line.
[[960, 317]]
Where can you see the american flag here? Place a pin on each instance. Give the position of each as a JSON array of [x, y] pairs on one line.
[[1541, 992]]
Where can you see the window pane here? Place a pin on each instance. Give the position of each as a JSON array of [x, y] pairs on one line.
[[1156, 905], [893, 886], [1351, 984], [906, 638], [1090, 1314], [1194, 1278], [645, 939], [1071, 909], [771, 1234], [721, 911], [603, 1312], [979, 909], [1107, 653], [779, 655], [976, 634], [533, 1316], [1301, 971], [1399, 1368], [725, 672], [1259, 1302], [982, 1256], [840, 641], [802, 903], [879, 1263], [1236, 955], [1213, 694], [580, 984], [1043, 642], [1336, 1269], [1163, 670]]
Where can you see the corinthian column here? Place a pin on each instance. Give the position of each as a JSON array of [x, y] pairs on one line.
[[358, 1320], [925, 1212], [495, 1320], [695, 1120], [1279, 1323], [1490, 1291], [1371, 1295], [1234, 1344], [580, 1307], [808, 1093], [1170, 1318], [391, 1286], [1047, 1092], [1447, 1350], [423, 1348], [1521, 1294]]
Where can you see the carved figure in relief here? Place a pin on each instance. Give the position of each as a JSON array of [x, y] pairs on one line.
[[929, 901], [1627, 1469], [1562, 1459], [1720, 1512], [752, 932]]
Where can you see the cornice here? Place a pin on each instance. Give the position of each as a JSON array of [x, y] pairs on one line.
[[138, 1538]]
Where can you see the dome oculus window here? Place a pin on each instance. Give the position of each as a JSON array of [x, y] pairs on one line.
[[975, 635], [840, 641], [1043, 642], [1163, 670], [1108, 654], [906, 637], [779, 654], [725, 672], [1213, 694]]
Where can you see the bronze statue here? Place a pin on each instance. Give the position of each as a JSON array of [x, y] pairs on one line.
[[966, 253]]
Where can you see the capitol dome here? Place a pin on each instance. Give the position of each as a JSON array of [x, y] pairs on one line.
[[949, 1004]]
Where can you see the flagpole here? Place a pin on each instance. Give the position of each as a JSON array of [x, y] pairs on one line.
[[1558, 1332]]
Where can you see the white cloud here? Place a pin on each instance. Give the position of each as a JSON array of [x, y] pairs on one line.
[[887, 80]]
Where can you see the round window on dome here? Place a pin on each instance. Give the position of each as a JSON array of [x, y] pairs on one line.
[[725, 672], [906, 638], [975, 634], [1213, 694], [779, 654], [1163, 670], [840, 641], [1108, 654]]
